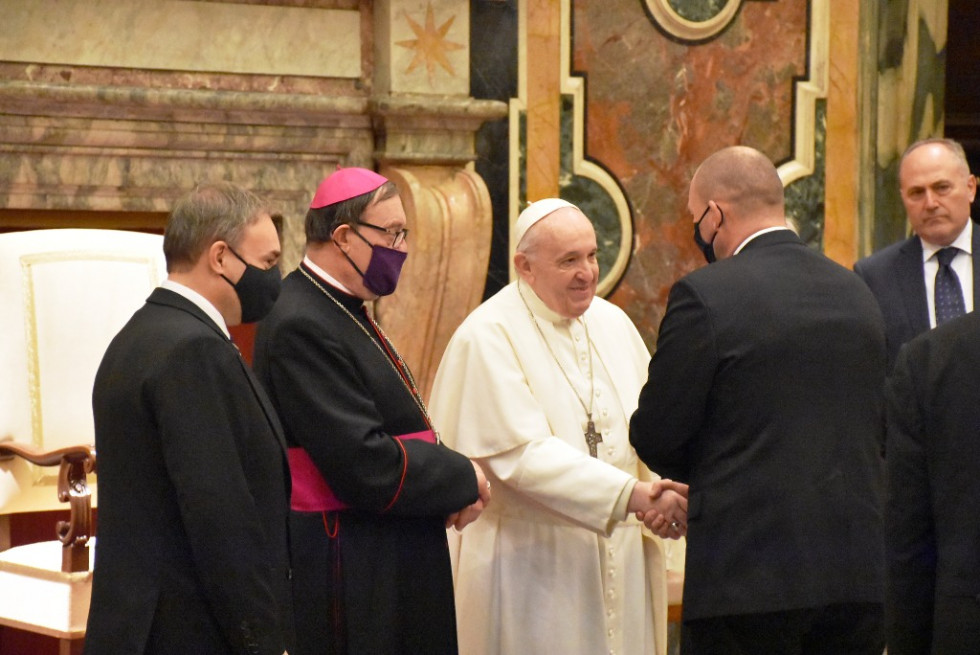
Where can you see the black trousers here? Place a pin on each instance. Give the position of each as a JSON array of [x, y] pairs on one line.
[[842, 629]]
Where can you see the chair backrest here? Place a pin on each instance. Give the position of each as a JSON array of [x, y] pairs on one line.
[[64, 294]]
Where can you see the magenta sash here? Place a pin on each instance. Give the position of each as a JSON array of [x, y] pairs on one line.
[[311, 493]]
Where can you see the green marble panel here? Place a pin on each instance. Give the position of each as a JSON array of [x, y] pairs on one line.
[[927, 102], [588, 195], [698, 11]]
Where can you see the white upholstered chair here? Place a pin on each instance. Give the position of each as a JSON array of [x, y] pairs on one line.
[[63, 295]]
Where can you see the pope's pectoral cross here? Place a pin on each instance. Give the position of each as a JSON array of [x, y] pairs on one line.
[[593, 438]]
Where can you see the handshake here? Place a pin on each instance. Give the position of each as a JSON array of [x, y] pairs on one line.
[[662, 506]]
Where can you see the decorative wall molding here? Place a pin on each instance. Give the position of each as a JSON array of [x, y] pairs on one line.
[[419, 128], [573, 163], [807, 93], [582, 167], [685, 29]]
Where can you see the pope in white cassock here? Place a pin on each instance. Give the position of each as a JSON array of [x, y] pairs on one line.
[[537, 385]]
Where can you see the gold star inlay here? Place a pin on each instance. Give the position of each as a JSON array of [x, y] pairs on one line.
[[431, 45]]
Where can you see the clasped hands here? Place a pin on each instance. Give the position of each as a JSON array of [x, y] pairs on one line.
[[470, 513], [662, 506]]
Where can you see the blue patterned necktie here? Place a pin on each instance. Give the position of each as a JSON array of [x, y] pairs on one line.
[[949, 295]]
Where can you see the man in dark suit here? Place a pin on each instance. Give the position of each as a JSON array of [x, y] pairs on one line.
[[937, 189], [932, 531], [765, 395], [192, 553]]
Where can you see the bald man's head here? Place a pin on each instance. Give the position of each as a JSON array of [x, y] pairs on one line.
[[741, 178], [735, 193]]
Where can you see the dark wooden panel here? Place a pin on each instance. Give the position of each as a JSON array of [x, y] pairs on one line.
[[963, 78]]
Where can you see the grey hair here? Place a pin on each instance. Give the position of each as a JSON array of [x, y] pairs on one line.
[[322, 221], [213, 211], [953, 146]]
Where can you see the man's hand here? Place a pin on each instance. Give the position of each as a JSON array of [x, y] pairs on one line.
[[467, 515], [662, 506]]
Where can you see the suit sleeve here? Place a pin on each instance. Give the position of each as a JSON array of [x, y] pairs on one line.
[[330, 411], [909, 530], [199, 400], [674, 400]]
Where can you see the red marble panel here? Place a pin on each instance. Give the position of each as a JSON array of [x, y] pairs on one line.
[[656, 108]]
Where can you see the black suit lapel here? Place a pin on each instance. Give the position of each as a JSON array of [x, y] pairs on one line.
[[161, 296], [266, 404], [912, 283]]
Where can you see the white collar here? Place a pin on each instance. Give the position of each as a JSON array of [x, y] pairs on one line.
[[334, 282], [539, 308], [757, 234], [964, 242], [200, 301]]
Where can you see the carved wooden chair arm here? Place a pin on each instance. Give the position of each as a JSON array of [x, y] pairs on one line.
[[75, 463]]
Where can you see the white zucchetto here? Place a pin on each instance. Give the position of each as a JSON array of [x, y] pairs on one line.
[[535, 212]]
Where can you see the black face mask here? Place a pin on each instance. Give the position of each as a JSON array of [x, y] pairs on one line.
[[257, 289], [707, 249]]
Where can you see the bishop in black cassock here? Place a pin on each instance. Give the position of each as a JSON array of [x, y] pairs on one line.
[[373, 488]]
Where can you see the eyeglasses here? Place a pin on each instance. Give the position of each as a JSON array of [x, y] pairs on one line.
[[398, 237]]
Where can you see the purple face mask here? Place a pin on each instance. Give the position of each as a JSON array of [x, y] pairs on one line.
[[384, 269]]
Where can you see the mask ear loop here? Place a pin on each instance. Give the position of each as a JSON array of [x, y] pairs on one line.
[[344, 253], [239, 258]]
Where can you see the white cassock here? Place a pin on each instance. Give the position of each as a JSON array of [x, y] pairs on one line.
[[553, 565]]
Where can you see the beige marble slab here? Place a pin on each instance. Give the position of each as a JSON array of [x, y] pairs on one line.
[[183, 35]]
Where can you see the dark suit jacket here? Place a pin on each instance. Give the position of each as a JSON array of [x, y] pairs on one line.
[[383, 574], [765, 395], [192, 548], [894, 275], [932, 529]]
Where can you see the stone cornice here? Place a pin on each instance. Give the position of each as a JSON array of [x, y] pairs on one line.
[[181, 105], [430, 129]]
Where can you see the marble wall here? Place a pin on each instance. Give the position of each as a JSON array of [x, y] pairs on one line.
[[664, 83], [911, 48], [614, 107], [654, 106], [658, 107]]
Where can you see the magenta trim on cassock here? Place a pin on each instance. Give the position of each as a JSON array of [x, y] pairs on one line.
[[311, 493]]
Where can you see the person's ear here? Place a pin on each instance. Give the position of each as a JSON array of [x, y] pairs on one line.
[[522, 264], [217, 255], [341, 236]]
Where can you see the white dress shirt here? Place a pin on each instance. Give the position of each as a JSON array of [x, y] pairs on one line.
[[962, 265]]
